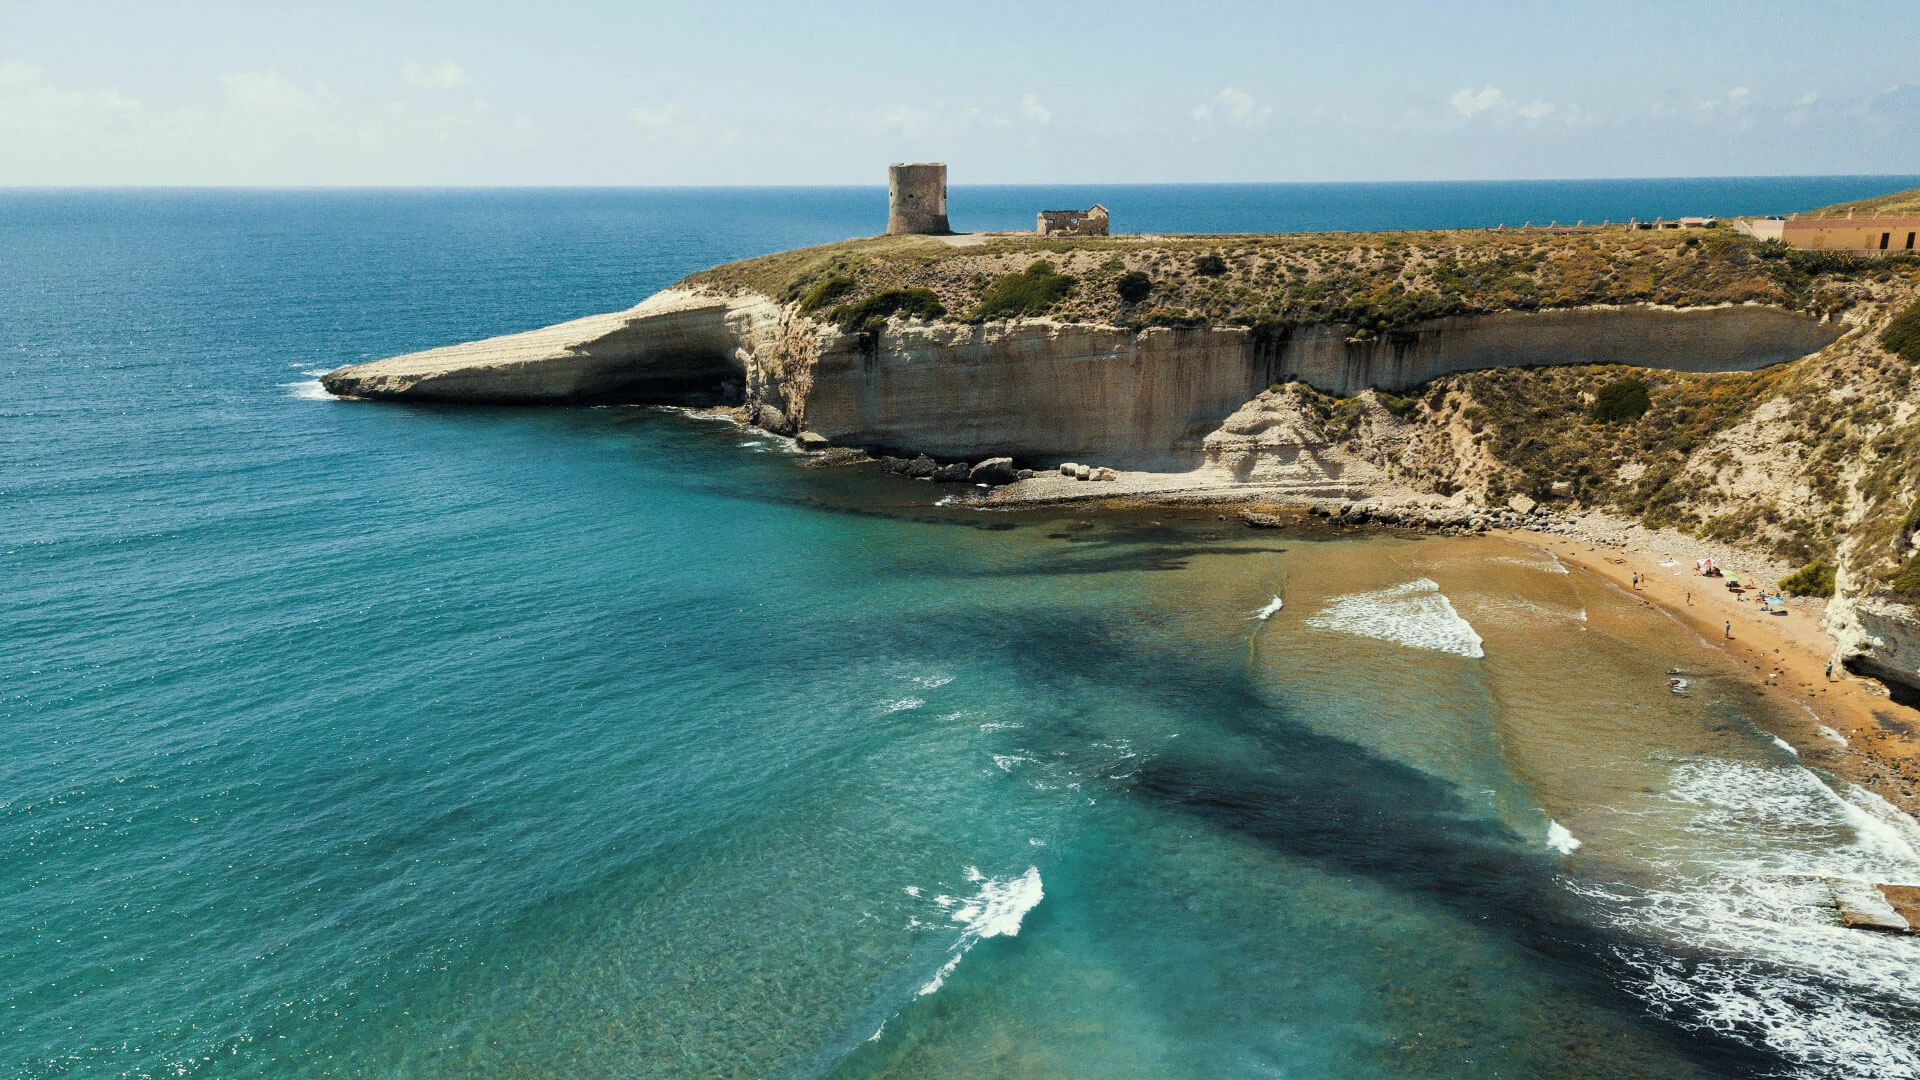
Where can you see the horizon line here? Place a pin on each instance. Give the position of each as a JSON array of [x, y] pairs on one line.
[[951, 186]]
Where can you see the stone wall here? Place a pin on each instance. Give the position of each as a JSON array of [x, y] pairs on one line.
[[917, 199], [1091, 222]]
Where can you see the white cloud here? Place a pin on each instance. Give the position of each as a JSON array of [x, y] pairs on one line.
[[1031, 108], [1809, 98], [1232, 106], [1471, 103], [14, 73], [1536, 110], [657, 117], [263, 89], [445, 76]]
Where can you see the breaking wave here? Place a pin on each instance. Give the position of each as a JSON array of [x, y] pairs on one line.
[[1267, 612], [1750, 888], [994, 911], [1416, 614]]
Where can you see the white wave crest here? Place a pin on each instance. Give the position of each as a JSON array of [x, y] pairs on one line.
[[1267, 612], [1416, 614], [307, 390], [994, 911], [1560, 839], [903, 704], [1751, 882]]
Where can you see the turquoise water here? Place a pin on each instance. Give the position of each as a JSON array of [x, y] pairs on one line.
[[350, 740]]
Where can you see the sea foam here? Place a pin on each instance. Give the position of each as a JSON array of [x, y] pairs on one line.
[[1560, 839], [994, 911], [1267, 612], [1751, 899], [1416, 614]]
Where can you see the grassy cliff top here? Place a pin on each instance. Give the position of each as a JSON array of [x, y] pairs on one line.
[[1372, 281], [1898, 204]]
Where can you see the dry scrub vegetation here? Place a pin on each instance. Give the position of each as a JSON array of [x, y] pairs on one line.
[[1374, 282]]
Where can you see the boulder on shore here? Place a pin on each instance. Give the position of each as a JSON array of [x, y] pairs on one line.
[[812, 441], [951, 474], [770, 418], [922, 466], [994, 470]]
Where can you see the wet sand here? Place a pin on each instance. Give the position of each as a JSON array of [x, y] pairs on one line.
[[1784, 655]]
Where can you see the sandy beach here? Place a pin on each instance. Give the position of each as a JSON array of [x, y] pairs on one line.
[[1851, 727]]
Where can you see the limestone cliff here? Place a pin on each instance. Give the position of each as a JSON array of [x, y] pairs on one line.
[[1772, 416]]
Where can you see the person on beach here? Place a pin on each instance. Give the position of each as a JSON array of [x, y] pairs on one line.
[[1829, 671], [1729, 631]]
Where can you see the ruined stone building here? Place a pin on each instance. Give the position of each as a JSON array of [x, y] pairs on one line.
[[917, 198], [1089, 222]]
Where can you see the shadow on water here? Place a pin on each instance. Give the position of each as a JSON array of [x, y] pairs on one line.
[[1273, 780]]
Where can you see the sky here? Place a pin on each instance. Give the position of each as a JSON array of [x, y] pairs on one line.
[[583, 92]]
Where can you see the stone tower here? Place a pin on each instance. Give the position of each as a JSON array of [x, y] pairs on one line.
[[917, 199]]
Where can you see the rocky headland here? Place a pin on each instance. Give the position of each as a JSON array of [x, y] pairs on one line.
[[1696, 383]]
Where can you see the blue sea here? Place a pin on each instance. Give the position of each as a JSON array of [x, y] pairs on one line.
[[345, 739]]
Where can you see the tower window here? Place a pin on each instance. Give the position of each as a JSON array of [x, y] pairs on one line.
[[1884, 237], [1909, 241]]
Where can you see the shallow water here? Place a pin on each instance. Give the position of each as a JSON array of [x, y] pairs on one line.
[[412, 741]]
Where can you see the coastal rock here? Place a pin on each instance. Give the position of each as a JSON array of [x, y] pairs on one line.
[[1521, 504], [1067, 469], [1256, 520], [1879, 638], [835, 456], [1039, 388], [1081, 472], [951, 474], [811, 441], [1102, 473], [994, 471], [922, 468]]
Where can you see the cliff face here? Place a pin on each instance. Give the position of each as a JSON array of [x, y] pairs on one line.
[[675, 344], [1728, 338], [1808, 460], [1036, 388]]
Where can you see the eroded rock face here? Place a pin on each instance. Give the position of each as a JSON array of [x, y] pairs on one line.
[[1278, 438], [1878, 638], [1726, 338], [675, 344], [1034, 388]]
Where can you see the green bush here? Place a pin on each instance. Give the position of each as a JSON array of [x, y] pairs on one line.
[[875, 310], [1398, 406], [1813, 579], [826, 293], [1618, 402], [1133, 286], [1209, 265], [1029, 292], [1905, 582], [1902, 335]]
